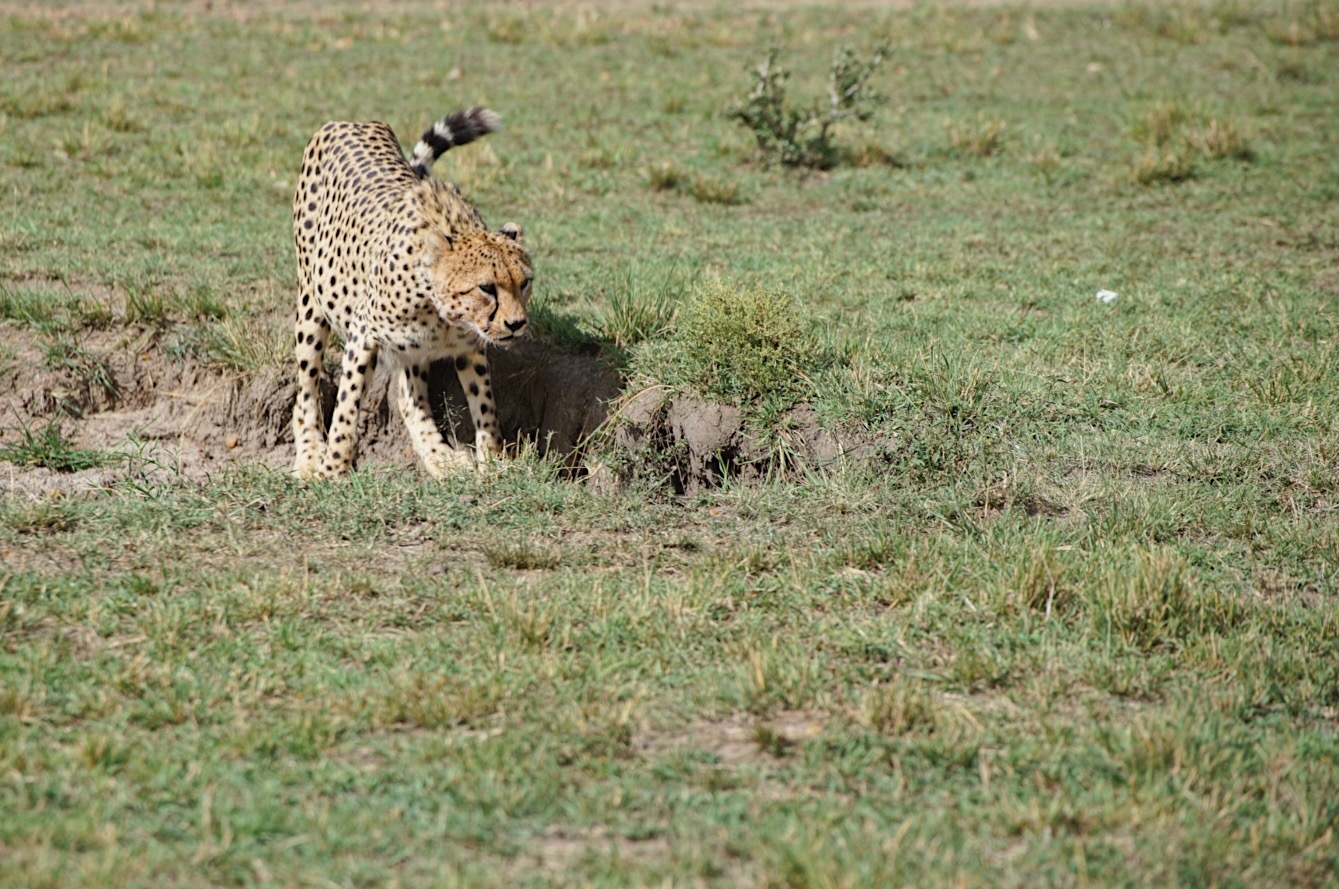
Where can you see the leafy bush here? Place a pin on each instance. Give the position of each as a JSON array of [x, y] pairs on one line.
[[746, 344], [736, 344], [803, 137]]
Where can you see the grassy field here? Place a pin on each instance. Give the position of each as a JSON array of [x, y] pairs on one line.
[[1069, 619]]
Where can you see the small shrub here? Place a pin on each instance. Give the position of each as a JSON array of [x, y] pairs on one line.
[[803, 136], [745, 344]]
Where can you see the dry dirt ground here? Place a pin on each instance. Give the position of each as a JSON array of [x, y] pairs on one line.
[[126, 394]]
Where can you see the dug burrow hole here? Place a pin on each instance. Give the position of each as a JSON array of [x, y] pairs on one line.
[[575, 408]]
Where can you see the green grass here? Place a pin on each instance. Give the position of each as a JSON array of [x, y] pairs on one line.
[[50, 448], [728, 344], [1069, 619]]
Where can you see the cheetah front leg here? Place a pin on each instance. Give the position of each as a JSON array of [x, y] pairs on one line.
[[311, 336], [472, 368], [411, 390], [341, 447]]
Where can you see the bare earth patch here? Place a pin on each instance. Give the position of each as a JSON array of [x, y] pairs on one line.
[[184, 418], [735, 740], [197, 418]]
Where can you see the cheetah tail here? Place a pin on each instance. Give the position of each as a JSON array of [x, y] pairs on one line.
[[460, 128]]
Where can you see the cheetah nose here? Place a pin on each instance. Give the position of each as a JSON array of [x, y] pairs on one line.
[[515, 326]]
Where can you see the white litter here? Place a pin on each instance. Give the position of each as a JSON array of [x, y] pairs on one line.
[[1107, 296]]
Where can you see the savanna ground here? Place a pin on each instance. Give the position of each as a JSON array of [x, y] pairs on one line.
[[1064, 612]]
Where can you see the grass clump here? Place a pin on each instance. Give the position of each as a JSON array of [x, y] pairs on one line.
[[1174, 142], [52, 309], [1151, 601], [48, 447], [899, 707], [983, 138], [61, 353], [1220, 140], [736, 344], [241, 344], [700, 187], [803, 136], [28, 308], [641, 310], [521, 555], [1157, 165]]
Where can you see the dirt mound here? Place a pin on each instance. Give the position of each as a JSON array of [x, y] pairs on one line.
[[124, 392], [695, 444]]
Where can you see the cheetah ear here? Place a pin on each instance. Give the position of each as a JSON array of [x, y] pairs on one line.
[[445, 243], [511, 230]]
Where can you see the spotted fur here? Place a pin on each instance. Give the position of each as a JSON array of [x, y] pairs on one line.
[[404, 268]]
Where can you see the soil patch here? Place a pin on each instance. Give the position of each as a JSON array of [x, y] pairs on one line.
[[738, 739], [696, 444], [124, 393]]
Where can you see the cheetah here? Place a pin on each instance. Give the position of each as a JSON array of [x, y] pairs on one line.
[[403, 267]]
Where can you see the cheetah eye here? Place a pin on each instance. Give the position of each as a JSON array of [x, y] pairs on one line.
[[489, 290], [525, 285]]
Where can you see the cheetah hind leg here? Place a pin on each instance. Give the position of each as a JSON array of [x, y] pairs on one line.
[[341, 446], [437, 457], [308, 420]]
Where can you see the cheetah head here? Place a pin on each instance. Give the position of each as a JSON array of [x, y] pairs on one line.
[[481, 282]]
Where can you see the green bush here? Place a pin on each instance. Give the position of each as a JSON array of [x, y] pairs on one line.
[[737, 344], [803, 136]]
